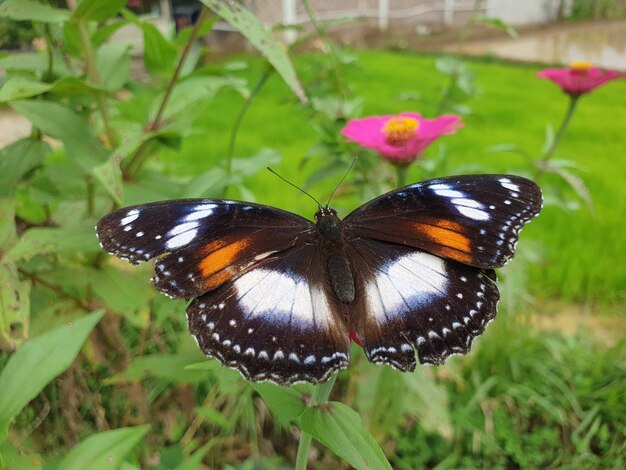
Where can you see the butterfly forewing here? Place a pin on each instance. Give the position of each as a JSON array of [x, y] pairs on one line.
[[409, 299], [276, 322], [207, 241], [473, 219]]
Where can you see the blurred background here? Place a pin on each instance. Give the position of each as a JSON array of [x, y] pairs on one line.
[[105, 104]]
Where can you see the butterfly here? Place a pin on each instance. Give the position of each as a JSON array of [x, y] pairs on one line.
[[280, 298]]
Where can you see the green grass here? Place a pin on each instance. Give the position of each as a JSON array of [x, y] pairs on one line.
[[585, 253]]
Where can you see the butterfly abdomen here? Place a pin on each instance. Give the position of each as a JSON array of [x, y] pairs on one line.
[[334, 252]]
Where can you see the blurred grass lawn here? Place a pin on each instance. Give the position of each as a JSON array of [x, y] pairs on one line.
[[585, 254]]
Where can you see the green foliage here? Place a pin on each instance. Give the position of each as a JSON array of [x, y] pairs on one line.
[[104, 450], [36, 363]]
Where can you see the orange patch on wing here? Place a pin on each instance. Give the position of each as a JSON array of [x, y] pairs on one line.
[[447, 233], [222, 257]]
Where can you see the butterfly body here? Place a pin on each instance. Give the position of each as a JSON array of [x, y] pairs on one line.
[[279, 297], [331, 239]]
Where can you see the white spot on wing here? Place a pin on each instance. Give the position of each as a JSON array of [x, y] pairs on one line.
[[200, 212], [130, 216], [473, 213]]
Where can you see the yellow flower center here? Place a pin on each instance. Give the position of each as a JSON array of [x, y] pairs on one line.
[[399, 130], [580, 67]]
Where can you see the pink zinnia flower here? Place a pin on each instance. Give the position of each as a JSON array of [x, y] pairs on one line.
[[579, 78], [401, 138]]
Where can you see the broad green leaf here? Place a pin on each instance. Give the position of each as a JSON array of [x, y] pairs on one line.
[[62, 123], [252, 165], [110, 176], [37, 363], [159, 54], [33, 62], [193, 91], [19, 87], [44, 240], [104, 450], [286, 403], [103, 33], [17, 159], [32, 10], [208, 183], [97, 10], [244, 21], [123, 292], [113, 63], [340, 429], [168, 367], [14, 302], [14, 459], [8, 231]]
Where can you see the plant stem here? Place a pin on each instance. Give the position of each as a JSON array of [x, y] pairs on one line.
[[401, 172], [319, 397], [331, 48], [235, 129], [92, 74], [141, 154], [559, 135]]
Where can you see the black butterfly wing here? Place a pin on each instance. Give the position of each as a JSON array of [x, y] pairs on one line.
[[275, 322], [408, 300], [205, 242], [473, 219]]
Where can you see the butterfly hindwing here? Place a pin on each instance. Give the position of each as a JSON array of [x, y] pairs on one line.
[[473, 219], [206, 241], [409, 299], [278, 321]]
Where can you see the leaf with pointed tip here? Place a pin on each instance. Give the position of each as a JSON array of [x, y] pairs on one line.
[[37, 362], [340, 429], [244, 21], [104, 450]]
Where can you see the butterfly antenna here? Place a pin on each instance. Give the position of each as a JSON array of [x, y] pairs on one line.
[[297, 187], [341, 180]]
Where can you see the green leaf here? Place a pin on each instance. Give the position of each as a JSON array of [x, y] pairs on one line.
[[37, 241], [214, 417], [14, 302], [105, 450], [14, 459], [97, 10], [20, 87], [244, 21], [17, 159], [62, 123], [113, 63], [497, 23], [110, 176], [159, 54], [339, 428], [33, 62], [32, 10], [37, 363], [8, 231], [167, 367], [286, 403]]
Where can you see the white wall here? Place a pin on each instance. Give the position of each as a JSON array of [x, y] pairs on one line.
[[523, 12]]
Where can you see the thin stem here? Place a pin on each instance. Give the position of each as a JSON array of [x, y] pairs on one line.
[[141, 154], [50, 50], [401, 172], [559, 135], [237, 124], [447, 92], [319, 397], [92, 74], [333, 54]]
